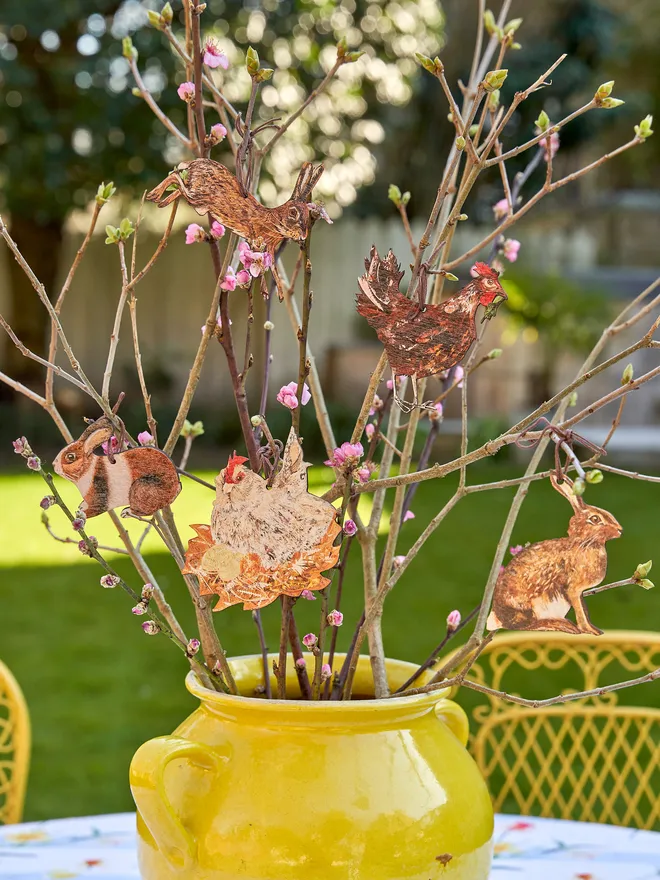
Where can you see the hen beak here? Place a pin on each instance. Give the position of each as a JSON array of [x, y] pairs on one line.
[[491, 309]]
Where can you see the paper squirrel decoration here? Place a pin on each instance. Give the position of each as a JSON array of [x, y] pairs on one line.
[[264, 542], [422, 340], [210, 188], [143, 479], [544, 581]]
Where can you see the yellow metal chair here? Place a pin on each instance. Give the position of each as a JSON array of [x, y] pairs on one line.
[[14, 747], [594, 759]]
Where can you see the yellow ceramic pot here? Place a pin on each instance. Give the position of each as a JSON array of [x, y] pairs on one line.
[[283, 790]]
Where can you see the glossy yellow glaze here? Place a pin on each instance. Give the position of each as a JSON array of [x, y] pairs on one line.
[[280, 790], [14, 748]]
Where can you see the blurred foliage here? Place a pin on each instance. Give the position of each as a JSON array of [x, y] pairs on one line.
[[69, 119], [566, 316]]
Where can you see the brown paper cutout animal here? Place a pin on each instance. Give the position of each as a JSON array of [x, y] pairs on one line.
[[541, 583], [422, 340], [264, 543], [142, 479], [210, 188]]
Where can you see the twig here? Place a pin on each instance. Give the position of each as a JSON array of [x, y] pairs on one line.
[[303, 367], [114, 338], [297, 654], [256, 617], [280, 671], [155, 109]]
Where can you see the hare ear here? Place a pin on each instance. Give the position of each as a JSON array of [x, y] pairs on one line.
[[96, 434], [565, 488]]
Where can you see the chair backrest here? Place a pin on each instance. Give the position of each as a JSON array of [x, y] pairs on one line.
[[592, 760], [14, 747]]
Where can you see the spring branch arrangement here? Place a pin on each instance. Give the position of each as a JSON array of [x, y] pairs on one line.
[[386, 469]]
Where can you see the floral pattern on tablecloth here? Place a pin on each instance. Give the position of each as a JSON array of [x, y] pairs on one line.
[[524, 849]]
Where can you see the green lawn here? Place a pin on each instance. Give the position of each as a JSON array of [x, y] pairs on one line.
[[97, 686]]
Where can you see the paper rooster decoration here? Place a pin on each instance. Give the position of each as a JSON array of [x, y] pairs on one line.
[[264, 542], [210, 188], [543, 581], [141, 479], [423, 340]]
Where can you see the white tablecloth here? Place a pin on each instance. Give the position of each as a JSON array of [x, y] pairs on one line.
[[525, 848]]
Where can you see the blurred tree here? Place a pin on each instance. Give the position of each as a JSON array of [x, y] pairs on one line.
[[561, 315], [69, 119]]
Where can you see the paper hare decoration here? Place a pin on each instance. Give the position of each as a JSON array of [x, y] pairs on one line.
[[542, 582], [142, 479]]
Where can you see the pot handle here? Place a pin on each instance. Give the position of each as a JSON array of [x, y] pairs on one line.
[[147, 773], [451, 714]]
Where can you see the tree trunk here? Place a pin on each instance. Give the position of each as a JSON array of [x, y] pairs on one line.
[[41, 247]]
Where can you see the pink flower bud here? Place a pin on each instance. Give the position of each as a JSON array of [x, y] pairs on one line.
[[229, 281], [77, 524], [500, 209], [144, 438], [147, 592], [214, 56], [47, 501], [109, 581], [453, 620], [217, 230], [243, 278], [408, 515], [21, 445], [139, 609], [218, 132], [437, 415], [150, 627], [301, 663], [287, 395], [87, 546], [369, 430], [346, 454], [192, 647], [310, 640], [350, 528], [398, 560], [510, 249], [34, 463], [186, 91], [194, 234], [335, 618], [110, 446], [326, 672], [514, 551], [459, 375], [307, 594]]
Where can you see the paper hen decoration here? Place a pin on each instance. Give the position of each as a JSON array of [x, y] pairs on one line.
[[210, 188], [542, 582], [264, 543], [142, 479], [422, 340]]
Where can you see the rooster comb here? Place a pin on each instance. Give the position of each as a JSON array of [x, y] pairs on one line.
[[483, 270], [234, 462]]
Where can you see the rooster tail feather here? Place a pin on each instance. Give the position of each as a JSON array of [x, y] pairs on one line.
[[380, 283]]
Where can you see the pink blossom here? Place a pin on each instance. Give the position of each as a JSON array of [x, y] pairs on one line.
[[21, 445], [501, 569], [256, 262], [288, 395], [346, 454], [326, 672], [369, 430], [335, 618], [186, 91], [363, 474], [34, 463], [459, 375], [301, 663], [144, 438], [151, 627], [500, 209], [398, 560], [110, 446], [229, 282], [214, 56], [193, 647], [510, 249], [309, 640], [78, 523], [408, 515], [389, 385], [350, 528], [307, 594], [514, 551], [437, 414], [86, 547], [47, 501], [453, 620], [139, 609], [109, 581], [377, 404], [551, 147], [218, 133], [217, 230], [243, 278], [195, 233]]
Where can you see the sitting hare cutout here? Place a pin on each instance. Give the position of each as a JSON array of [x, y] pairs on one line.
[[542, 582], [143, 479]]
